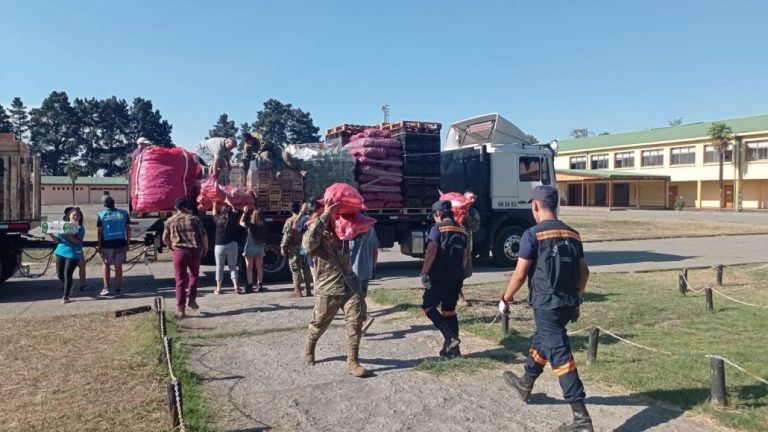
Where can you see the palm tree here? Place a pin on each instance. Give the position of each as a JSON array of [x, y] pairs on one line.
[[721, 135], [73, 171]]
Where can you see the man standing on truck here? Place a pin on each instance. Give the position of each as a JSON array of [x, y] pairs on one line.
[[185, 235], [552, 259], [114, 237], [471, 225], [217, 151], [336, 287], [442, 275], [290, 247]]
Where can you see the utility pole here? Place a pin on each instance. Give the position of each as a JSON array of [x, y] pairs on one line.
[[385, 110]]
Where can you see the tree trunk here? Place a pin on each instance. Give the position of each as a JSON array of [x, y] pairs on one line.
[[722, 190], [73, 194]]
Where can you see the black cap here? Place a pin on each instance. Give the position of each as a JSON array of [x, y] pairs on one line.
[[548, 194], [182, 203], [442, 206]]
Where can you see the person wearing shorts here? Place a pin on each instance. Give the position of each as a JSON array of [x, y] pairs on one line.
[[254, 248], [114, 227]]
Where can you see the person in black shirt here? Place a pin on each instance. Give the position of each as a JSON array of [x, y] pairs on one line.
[[228, 233], [442, 275], [552, 259]]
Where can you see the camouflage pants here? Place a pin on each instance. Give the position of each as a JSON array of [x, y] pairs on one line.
[[302, 276], [326, 308]]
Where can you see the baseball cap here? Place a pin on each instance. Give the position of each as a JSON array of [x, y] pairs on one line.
[[442, 206], [547, 194], [143, 141]]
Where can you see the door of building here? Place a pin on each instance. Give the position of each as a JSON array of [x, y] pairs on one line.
[[601, 194], [574, 195], [728, 192], [621, 195], [671, 196]]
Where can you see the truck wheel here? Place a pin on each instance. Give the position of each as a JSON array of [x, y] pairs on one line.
[[8, 264], [506, 246], [275, 266]]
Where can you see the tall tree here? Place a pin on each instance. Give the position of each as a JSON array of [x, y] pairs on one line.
[[282, 124], [223, 128], [721, 135], [87, 111], [114, 143], [19, 118], [5, 121], [578, 133], [532, 139], [72, 169], [675, 122], [148, 123], [53, 129]]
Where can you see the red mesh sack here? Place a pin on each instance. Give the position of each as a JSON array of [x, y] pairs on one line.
[[238, 197], [459, 204], [349, 226], [159, 175], [349, 199]]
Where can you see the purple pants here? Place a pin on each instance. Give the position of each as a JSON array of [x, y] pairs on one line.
[[186, 267]]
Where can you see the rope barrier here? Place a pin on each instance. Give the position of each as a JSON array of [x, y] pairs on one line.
[[737, 301], [738, 367], [688, 286], [578, 331], [632, 343]]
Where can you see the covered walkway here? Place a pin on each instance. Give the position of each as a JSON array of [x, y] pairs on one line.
[[613, 189]]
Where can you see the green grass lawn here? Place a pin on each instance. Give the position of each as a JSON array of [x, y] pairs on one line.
[[645, 308]]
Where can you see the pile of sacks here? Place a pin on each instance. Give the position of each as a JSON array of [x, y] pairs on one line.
[[347, 220], [159, 175], [212, 193], [379, 168]]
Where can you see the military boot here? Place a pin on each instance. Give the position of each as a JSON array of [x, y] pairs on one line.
[[523, 385], [309, 351], [296, 292], [353, 365], [582, 422]]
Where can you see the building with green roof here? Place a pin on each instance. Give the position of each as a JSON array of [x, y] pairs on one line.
[[658, 167]]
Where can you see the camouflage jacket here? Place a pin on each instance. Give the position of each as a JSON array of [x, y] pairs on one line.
[[291, 241], [330, 256]]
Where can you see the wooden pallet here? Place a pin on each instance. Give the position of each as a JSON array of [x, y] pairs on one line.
[[415, 126], [19, 187], [348, 128]]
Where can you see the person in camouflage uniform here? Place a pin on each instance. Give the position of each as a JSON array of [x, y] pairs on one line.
[[336, 287], [290, 247], [471, 224]]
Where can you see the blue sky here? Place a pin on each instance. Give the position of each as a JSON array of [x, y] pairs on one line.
[[547, 66]]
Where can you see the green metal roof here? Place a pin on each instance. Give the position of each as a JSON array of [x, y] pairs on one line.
[[613, 174], [65, 180], [691, 131]]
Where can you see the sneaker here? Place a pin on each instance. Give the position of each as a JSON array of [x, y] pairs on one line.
[[117, 292], [248, 288], [104, 292], [193, 305], [65, 300], [262, 288]]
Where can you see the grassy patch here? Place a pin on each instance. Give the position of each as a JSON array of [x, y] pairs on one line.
[[613, 227], [81, 372], [198, 413], [647, 309]]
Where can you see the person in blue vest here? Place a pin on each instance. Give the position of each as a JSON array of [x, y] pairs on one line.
[[442, 275], [114, 237], [69, 251], [552, 259]]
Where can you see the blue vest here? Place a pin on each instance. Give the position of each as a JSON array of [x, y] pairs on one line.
[[113, 223], [554, 274]]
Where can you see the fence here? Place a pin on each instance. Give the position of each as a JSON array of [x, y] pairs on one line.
[[175, 398]]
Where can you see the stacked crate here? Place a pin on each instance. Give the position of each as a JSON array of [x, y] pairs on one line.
[[19, 181], [340, 135], [275, 190], [421, 160]]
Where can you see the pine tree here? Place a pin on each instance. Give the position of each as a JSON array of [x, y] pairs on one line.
[[87, 111], [19, 118], [282, 124], [223, 128], [301, 128], [114, 143], [5, 121], [53, 128], [144, 122]]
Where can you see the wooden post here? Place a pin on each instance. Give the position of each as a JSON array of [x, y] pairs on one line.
[[681, 283], [170, 350], [720, 275], [505, 323], [173, 407], [594, 333], [717, 381], [710, 303]]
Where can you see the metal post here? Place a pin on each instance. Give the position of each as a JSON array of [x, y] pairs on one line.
[[710, 302], [717, 381], [173, 406], [720, 275], [680, 283], [594, 332]]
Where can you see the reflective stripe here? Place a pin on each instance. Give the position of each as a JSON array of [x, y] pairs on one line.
[[426, 310], [537, 357], [543, 235], [448, 313], [564, 369], [449, 228]]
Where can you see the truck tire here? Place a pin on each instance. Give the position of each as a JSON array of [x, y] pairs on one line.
[[506, 246], [275, 266], [8, 265]]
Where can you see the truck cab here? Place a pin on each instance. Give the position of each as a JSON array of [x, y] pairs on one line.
[[492, 157]]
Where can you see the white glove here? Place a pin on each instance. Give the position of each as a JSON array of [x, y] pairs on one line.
[[503, 306], [426, 282]]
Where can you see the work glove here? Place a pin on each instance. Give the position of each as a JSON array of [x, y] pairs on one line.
[[503, 306], [425, 282]]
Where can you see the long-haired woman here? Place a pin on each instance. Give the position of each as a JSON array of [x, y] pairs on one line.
[[227, 234], [69, 251], [254, 247]]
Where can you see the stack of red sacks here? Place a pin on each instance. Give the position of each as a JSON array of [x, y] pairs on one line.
[[159, 175], [346, 219], [459, 204], [379, 168], [212, 193]]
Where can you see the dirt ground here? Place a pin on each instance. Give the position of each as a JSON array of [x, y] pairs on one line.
[[247, 350]]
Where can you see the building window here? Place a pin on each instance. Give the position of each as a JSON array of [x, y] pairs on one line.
[[599, 161], [710, 154], [757, 150], [530, 169], [653, 158], [624, 160], [683, 155], [579, 162]]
